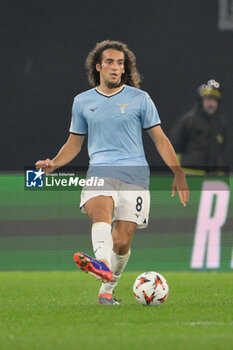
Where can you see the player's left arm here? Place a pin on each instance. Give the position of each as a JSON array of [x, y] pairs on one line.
[[168, 154]]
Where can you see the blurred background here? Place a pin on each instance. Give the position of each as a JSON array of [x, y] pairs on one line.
[[179, 45]]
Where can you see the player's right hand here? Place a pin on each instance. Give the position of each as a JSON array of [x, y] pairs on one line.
[[46, 165]]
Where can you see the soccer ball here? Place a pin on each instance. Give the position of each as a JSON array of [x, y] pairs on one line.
[[150, 288]]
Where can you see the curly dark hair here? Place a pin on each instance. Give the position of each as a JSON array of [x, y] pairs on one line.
[[130, 77]]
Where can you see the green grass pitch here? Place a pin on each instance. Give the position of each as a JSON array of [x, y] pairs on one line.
[[59, 310]]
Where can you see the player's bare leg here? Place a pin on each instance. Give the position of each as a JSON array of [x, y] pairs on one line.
[[99, 210], [122, 234]]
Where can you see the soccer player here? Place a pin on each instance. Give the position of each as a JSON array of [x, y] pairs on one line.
[[113, 113]]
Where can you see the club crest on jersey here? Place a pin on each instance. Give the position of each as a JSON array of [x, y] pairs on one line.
[[122, 107]]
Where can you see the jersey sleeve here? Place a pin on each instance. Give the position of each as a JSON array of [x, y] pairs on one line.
[[149, 113], [78, 122]]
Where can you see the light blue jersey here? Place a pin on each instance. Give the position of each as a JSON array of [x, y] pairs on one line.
[[114, 125]]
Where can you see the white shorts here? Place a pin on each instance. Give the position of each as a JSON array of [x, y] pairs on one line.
[[131, 202]]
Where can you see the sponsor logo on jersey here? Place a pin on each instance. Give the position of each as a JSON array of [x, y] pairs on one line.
[[93, 109]]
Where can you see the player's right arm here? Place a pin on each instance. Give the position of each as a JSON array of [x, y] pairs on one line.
[[69, 151]]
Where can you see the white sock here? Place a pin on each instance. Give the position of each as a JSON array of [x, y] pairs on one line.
[[118, 264], [102, 241]]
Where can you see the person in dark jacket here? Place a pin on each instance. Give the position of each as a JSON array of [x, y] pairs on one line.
[[199, 136]]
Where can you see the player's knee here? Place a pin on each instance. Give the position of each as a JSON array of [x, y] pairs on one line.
[[121, 247], [100, 215]]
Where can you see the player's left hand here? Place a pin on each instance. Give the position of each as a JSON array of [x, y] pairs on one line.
[[180, 184]]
